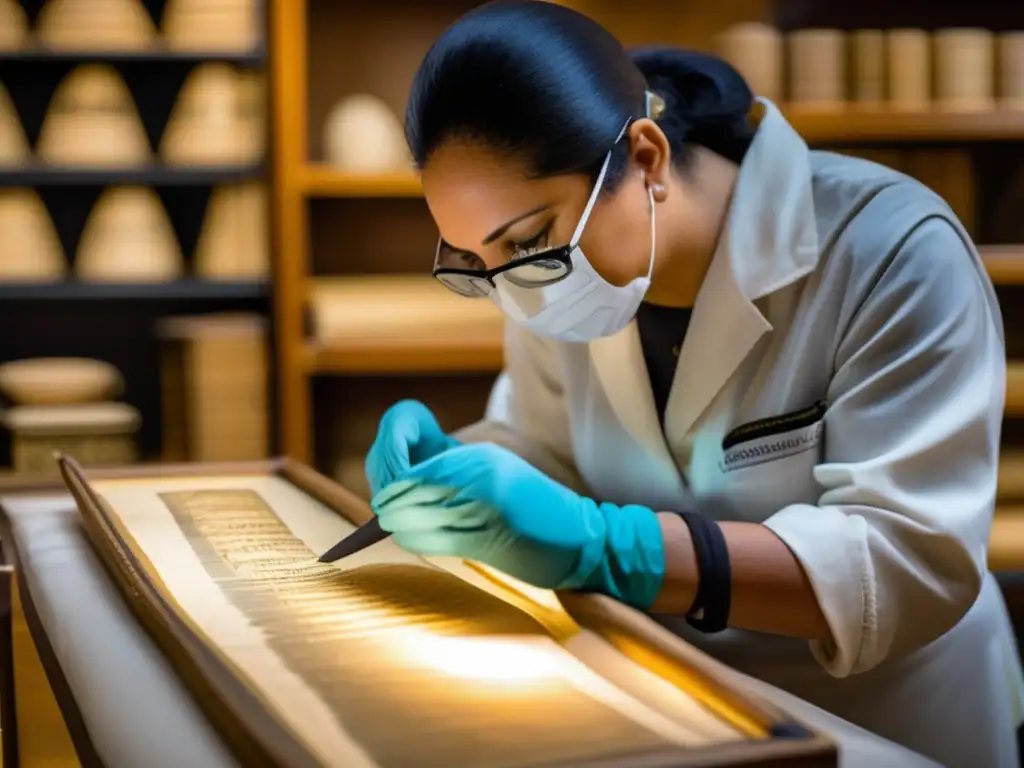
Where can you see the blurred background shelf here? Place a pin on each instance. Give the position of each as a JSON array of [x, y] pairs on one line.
[[135, 196], [157, 56], [1015, 388], [325, 181], [335, 223], [177, 290], [156, 175], [409, 356], [1004, 263], [859, 126]]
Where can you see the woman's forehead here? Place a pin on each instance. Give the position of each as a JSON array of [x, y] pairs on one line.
[[471, 192]]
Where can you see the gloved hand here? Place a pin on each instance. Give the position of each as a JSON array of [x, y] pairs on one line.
[[407, 434], [482, 502]]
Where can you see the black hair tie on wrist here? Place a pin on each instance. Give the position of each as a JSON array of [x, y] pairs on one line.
[[710, 610]]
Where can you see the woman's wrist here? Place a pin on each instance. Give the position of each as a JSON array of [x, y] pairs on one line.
[[625, 557], [682, 576]]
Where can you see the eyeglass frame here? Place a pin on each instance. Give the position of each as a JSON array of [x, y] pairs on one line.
[[560, 253]]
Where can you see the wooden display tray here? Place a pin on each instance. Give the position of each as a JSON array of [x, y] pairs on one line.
[[260, 738]]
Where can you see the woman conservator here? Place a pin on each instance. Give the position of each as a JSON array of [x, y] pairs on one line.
[[752, 389]]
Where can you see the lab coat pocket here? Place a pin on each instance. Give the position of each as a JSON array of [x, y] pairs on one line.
[[768, 469]]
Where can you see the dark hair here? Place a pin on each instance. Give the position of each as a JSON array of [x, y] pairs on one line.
[[540, 80]]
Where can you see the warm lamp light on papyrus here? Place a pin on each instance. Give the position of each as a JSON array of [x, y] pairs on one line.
[[92, 120], [91, 25], [486, 659], [30, 251]]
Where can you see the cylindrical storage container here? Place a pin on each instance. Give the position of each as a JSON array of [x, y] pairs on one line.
[[964, 70], [1011, 70], [755, 51], [908, 65], [868, 54], [817, 69]]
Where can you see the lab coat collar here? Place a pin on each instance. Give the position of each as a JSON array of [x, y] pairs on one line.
[[768, 242]]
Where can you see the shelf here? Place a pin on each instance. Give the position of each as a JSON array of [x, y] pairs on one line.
[[1011, 475], [155, 56], [1014, 389], [848, 127], [325, 181], [406, 356], [156, 176], [1006, 541], [1004, 263], [177, 290], [400, 324], [853, 126]]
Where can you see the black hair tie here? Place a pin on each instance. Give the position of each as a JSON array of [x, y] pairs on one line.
[[710, 610]]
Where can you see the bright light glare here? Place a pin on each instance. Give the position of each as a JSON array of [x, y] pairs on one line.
[[486, 658]]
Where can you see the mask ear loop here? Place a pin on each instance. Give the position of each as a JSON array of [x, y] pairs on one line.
[[650, 264], [654, 107]]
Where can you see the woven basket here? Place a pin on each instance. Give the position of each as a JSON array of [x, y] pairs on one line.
[[14, 149], [92, 120], [99, 434], [96, 25], [215, 388], [13, 26], [211, 25], [234, 242], [129, 238], [206, 126], [363, 135], [59, 381], [30, 251]]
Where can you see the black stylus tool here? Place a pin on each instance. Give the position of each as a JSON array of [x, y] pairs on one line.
[[365, 536]]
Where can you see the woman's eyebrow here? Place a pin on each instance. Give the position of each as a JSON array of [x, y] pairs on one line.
[[504, 227]]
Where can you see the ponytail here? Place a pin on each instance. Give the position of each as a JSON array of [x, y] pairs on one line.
[[706, 101]]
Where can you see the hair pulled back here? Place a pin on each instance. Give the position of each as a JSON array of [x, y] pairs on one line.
[[541, 81]]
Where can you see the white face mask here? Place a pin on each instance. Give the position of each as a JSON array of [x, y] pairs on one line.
[[583, 306]]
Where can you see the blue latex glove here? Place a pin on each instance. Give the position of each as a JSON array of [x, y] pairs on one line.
[[484, 503], [407, 434]]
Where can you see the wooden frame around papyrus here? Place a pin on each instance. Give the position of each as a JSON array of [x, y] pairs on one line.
[[259, 740]]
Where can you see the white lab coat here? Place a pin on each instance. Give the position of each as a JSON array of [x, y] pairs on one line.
[[842, 282]]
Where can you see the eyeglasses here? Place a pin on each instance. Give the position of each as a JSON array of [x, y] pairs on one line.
[[536, 270]]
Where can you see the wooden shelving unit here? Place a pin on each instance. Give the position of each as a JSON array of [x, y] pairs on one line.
[[332, 223], [154, 176], [861, 127], [116, 321], [324, 181]]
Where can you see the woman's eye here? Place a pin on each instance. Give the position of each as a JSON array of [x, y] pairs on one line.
[[531, 246]]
